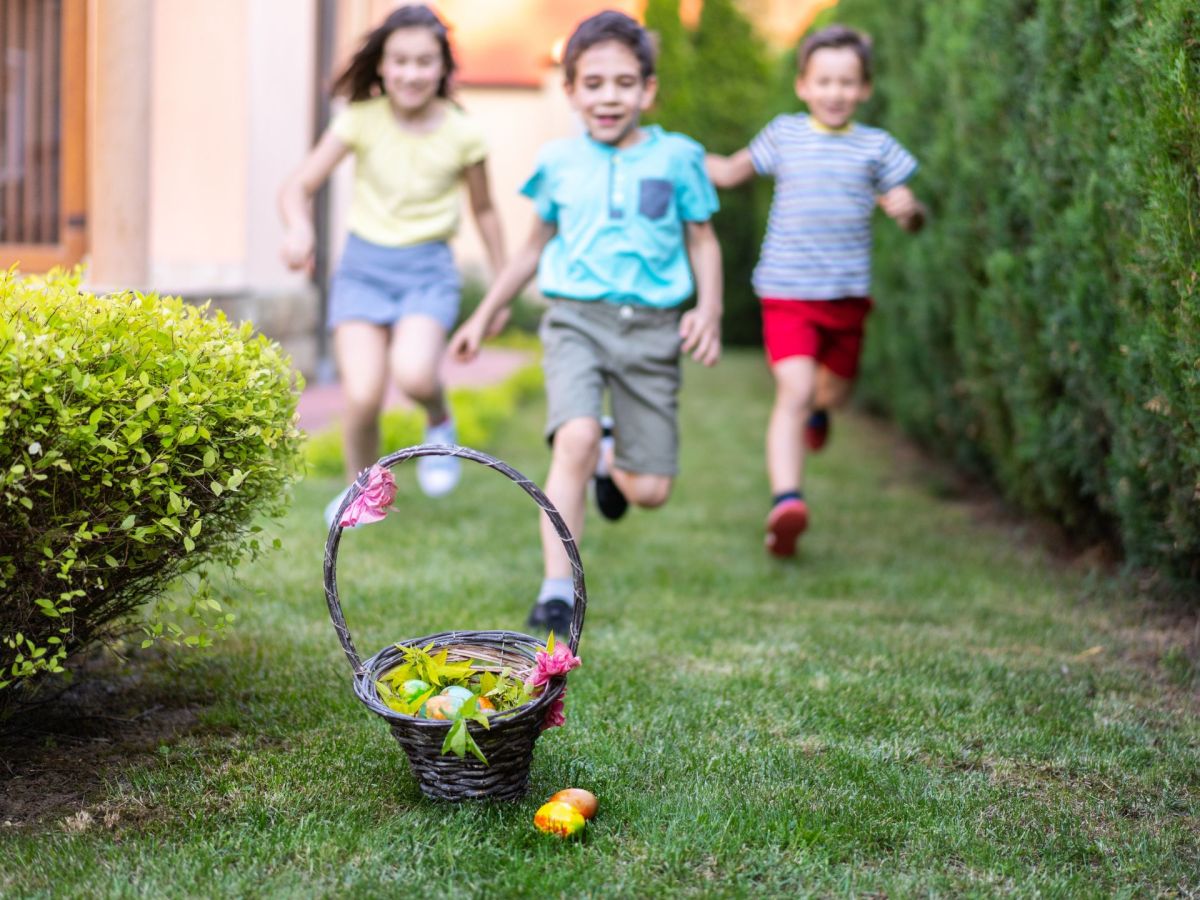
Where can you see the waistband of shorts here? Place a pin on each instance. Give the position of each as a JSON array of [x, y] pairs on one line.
[[361, 244], [783, 301], [609, 309]]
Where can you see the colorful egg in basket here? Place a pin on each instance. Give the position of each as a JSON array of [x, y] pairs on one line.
[[508, 743]]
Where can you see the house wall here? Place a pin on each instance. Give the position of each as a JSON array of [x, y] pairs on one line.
[[118, 109], [199, 135], [197, 110]]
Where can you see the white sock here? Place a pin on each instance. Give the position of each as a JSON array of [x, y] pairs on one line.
[[557, 589], [607, 445]]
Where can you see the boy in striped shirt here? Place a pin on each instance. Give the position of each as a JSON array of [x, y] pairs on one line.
[[813, 275]]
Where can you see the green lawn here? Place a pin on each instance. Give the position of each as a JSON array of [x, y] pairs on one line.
[[915, 706]]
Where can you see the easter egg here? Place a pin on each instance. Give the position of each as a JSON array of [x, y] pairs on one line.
[[584, 801], [463, 694], [486, 705], [413, 688], [560, 819], [440, 707]]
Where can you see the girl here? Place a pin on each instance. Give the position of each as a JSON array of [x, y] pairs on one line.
[[395, 294]]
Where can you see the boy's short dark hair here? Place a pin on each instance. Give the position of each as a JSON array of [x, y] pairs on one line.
[[833, 38], [609, 25]]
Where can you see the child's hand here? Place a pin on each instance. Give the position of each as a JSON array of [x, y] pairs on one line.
[[499, 320], [701, 333], [900, 204], [465, 343], [297, 251]]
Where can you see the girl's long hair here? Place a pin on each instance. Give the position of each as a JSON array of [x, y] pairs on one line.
[[360, 79]]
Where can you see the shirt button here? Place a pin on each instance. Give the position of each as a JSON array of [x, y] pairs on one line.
[[626, 312]]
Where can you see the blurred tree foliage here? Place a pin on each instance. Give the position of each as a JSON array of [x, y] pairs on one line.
[[715, 86], [1045, 329]]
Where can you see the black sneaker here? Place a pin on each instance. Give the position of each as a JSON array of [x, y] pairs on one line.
[[609, 499], [537, 617], [553, 615]]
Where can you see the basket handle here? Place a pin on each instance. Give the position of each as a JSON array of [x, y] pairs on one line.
[[394, 459]]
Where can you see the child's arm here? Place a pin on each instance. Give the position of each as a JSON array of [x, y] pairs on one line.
[[465, 342], [295, 200], [487, 221], [700, 327], [730, 171], [902, 205]]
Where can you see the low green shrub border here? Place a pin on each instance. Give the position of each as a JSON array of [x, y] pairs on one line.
[[140, 440], [477, 413]]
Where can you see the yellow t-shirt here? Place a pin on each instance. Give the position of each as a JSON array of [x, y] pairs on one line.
[[406, 183]]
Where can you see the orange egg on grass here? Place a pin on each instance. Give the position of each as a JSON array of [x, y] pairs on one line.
[[584, 801], [561, 819]]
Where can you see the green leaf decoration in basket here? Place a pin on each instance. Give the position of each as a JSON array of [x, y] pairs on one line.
[[430, 687]]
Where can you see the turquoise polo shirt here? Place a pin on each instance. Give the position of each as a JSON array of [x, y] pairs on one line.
[[620, 216]]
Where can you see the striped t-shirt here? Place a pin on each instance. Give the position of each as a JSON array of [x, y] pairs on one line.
[[818, 241]]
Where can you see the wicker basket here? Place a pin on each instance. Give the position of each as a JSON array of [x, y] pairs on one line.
[[508, 744]]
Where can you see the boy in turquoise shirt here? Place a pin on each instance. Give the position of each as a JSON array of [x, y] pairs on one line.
[[623, 222]]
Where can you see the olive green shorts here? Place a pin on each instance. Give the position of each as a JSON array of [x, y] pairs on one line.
[[633, 352]]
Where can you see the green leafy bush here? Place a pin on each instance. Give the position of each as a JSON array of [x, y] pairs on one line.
[[1045, 329], [139, 440], [478, 412]]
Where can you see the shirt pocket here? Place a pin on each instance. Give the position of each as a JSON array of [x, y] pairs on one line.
[[654, 197]]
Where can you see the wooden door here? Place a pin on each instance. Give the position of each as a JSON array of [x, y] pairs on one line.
[[43, 216]]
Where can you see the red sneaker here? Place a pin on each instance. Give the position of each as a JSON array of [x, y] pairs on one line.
[[816, 430], [785, 524]]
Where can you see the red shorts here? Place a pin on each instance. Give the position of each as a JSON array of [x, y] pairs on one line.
[[829, 331]]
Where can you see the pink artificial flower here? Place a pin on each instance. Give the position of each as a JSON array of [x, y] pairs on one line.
[[556, 715], [372, 502], [560, 662]]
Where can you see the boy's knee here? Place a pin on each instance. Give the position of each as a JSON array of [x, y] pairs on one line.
[[833, 391], [649, 491], [796, 402], [577, 443]]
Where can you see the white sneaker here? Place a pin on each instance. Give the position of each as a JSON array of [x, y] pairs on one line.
[[331, 508], [439, 475]]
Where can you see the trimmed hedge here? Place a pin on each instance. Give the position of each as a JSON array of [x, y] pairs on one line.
[[1045, 329], [139, 440]]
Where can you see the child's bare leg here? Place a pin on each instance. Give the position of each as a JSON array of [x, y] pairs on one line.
[[832, 390], [795, 378], [418, 344], [572, 462], [641, 489], [361, 351]]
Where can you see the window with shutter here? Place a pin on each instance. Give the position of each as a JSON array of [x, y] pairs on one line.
[[42, 139]]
